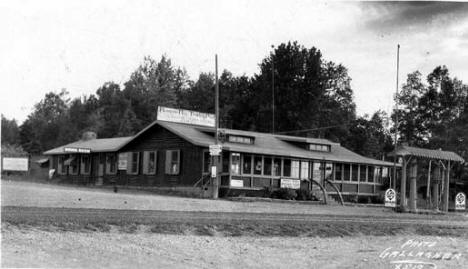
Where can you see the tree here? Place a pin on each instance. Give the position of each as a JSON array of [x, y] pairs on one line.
[[309, 92], [41, 129], [10, 131], [369, 137], [154, 84]]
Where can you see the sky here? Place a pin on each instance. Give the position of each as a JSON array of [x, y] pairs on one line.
[[79, 45]]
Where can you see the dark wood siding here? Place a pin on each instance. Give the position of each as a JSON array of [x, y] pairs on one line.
[[160, 139]]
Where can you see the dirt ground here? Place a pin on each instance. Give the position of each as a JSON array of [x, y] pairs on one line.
[[17, 193], [32, 240], [37, 248]]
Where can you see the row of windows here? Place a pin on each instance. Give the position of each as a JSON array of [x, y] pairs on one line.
[[256, 165], [240, 139], [108, 163], [319, 147]]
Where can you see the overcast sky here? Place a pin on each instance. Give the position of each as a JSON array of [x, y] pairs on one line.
[[78, 45]]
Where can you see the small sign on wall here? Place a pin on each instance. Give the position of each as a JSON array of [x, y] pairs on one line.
[[460, 201], [390, 198], [290, 183], [15, 164], [122, 164], [239, 183]]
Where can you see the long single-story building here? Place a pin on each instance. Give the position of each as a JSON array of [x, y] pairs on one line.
[[171, 154]]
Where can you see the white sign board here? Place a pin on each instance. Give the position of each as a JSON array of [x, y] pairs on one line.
[[237, 183], [15, 164], [290, 183], [460, 201], [122, 163], [390, 198], [185, 116], [213, 171], [76, 150], [215, 150]]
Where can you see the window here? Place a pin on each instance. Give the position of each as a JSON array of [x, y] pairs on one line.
[[319, 147], [61, 167], [240, 139], [150, 162], [362, 173], [206, 162], [286, 167], [258, 165], [378, 174], [346, 172], [172, 162], [338, 171], [247, 164], [354, 172], [276, 167], [74, 164], [111, 162], [385, 175], [370, 173], [85, 164], [133, 163], [295, 169], [304, 169], [267, 166], [235, 163], [225, 162]]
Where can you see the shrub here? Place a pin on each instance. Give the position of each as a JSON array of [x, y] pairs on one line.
[[363, 199], [285, 194], [304, 195]]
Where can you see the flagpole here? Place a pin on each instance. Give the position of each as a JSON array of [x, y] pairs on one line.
[[396, 119]]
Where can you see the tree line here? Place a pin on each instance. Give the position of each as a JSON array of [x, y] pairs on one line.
[[313, 97]]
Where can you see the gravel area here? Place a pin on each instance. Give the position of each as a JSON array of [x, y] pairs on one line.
[[37, 248]]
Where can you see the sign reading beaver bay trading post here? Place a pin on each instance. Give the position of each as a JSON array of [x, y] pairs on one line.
[[390, 198], [185, 116], [15, 164]]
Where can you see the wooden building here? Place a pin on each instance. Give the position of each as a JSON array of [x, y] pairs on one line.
[[170, 154]]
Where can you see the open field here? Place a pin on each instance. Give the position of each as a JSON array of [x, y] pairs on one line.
[[66, 226]]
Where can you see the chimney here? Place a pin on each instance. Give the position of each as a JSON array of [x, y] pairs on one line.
[[88, 136]]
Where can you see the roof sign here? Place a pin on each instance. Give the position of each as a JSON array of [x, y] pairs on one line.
[[185, 116], [76, 150]]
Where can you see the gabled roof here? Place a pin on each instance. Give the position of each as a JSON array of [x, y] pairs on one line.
[[428, 153], [265, 143], [96, 145]]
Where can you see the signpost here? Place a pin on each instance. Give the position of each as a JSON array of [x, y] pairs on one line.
[[215, 150], [290, 183], [390, 198], [460, 201], [15, 164], [76, 150], [185, 116]]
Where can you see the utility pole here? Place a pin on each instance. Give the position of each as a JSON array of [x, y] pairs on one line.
[[216, 179], [273, 92], [396, 120]]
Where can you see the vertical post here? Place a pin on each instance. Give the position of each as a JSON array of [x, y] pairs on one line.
[[413, 191], [396, 120], [403, 186], [272, 94], [435, 188], [216, 158], [446, 188]]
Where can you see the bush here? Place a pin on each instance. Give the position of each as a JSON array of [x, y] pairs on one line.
[[363, 199], [285, 194], [304, 195]]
